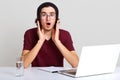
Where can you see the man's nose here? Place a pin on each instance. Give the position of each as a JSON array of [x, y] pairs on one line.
[[48, 17]]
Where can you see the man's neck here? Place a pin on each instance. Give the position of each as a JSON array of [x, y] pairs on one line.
[[48, 34]]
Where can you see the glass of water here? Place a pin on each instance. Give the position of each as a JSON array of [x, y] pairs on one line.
[[19, 67]]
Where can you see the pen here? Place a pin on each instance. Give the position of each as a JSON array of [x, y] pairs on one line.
[[54, 71]]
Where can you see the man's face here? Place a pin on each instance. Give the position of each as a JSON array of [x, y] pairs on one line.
[[48, 17]]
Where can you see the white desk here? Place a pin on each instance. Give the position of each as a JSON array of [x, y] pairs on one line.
[[8, 73]]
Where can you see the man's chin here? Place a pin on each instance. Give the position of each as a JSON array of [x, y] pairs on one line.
[[48, 29]]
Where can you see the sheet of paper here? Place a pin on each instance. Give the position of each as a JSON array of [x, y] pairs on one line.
[[53, 69]]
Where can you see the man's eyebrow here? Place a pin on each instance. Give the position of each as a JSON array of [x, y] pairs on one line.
[[49, 12], [43, 12]]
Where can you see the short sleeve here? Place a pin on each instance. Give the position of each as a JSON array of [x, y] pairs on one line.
[[27, 41], [30, 39], [66, 40]]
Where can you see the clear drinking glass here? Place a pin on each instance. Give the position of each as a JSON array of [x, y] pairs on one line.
[[19, 67]]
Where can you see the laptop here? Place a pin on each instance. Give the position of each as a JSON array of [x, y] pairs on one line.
[[95, 60]]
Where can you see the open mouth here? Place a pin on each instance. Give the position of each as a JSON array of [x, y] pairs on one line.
[[48, 23]]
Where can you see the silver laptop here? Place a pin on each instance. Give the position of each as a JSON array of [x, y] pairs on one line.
[[95, 60]]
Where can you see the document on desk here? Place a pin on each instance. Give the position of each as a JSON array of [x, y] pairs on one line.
[[52, 69]]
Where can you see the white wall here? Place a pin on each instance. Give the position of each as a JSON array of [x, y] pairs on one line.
[[90, 22]]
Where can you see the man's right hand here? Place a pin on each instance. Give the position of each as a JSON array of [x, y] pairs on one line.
[[40, 32]]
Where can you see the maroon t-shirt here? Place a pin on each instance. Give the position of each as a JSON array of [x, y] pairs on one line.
[[49, 54]]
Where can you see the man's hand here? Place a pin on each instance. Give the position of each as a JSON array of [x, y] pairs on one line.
[[55, 32], [40, 32]]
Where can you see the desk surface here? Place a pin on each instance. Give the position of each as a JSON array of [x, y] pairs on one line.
[[8, 73]]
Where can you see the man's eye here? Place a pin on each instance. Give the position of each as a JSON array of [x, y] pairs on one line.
[[43, 14], [52, 14]]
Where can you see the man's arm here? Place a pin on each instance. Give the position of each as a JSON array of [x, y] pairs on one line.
[[70, 56], [29, 55]]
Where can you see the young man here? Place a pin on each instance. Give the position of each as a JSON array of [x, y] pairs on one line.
[[47, 45]]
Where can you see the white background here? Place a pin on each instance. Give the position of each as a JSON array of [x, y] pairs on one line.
[[90, 22]]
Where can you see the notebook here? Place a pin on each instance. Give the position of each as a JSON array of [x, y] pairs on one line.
[[95, 60]]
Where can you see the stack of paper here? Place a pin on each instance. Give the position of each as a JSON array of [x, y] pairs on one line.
[[53, 69]]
